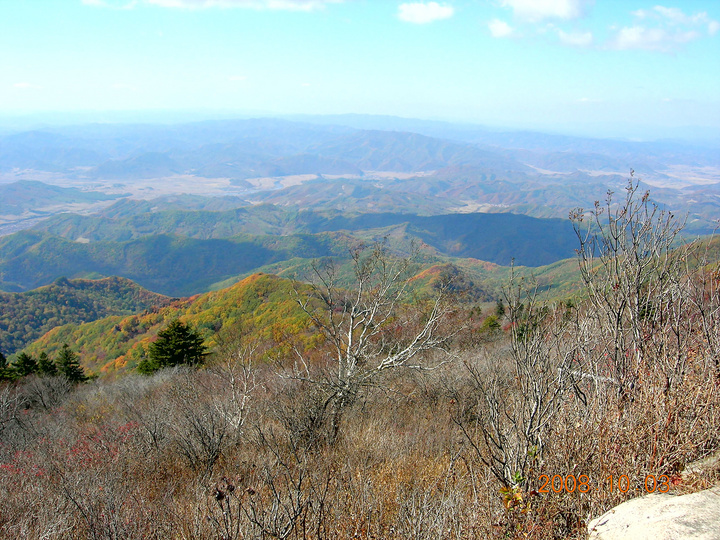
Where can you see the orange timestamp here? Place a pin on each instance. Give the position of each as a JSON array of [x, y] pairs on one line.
[[611, 483]]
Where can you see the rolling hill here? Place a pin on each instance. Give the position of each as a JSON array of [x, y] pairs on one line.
[[179, 253], [31, 196], [234, 148], [24, 317], [262, 305], [172, 265]]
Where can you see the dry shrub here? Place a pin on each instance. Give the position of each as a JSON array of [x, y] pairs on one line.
[[400, 467], [241, 450]]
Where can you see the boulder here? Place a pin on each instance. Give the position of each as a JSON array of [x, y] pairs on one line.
[[662, 517]]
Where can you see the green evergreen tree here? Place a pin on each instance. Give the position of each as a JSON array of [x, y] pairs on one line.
[[490, 324], [6, 372], [499, 309], [25, 365], [68, 364], [177, 345], [46, 366]]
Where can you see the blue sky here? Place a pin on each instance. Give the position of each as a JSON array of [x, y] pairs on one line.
[[616, 66]]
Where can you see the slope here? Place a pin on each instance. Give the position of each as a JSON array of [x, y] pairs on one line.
[[169, 264], [215, 246], [24, 317], [31, 196], [261, 305]]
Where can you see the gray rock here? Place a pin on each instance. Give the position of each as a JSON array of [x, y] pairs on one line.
[[662, 517]]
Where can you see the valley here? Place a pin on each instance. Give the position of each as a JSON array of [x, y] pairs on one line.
[[189, 208], [340, 167]]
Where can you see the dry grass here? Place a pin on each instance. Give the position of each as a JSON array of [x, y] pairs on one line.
[[129, 459]]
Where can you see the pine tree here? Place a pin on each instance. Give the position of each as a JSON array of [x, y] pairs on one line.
[[25, 365], [6, 372], [46, 366], [68, 364], [177, 345], [499, 309]]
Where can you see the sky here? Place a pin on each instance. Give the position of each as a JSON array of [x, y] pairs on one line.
[[631, 68]]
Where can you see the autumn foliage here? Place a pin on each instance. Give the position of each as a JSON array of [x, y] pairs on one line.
[[458, 445]]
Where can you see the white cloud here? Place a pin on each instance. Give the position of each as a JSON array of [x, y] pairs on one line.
[[289, 5], [25, 85], [576, 39], [663, 29], [673, 15], [651, 39], [237, 78], [423, 13], [538, 10], [500, 29], [677, 16], [660, 28], [533, 15], [111, 4]]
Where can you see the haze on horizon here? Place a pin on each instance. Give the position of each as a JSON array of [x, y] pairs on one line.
[[631, 69]]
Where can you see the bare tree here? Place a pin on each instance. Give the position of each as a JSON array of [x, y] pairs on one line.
[[632, 276], [636, 323], [367, 325], [11, 405], [516, 400], [234, 373], [200, 430]]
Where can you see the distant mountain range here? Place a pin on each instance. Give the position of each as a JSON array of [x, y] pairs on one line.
[[627, 150], [457, 191], [180, 252], [243, 149], [385, 164], [238, 150], [197, 210]]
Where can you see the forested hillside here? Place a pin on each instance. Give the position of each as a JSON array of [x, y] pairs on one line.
[[24, 317], [180, 253], [171, 265], [262, 307]]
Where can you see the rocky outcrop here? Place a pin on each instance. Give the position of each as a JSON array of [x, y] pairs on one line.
[[662, 517]]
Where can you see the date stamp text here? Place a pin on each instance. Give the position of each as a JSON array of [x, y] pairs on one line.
[[611, 483]]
